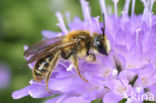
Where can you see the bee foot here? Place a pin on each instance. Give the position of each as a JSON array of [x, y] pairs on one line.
[[91, 58], [84, 79]]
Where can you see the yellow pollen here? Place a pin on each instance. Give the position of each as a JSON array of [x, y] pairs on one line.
[[144, 80], [130, 66], [121, 89], [106, 73]]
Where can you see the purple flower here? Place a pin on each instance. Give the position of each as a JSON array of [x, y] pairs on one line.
[[128, 72], [4, 76]]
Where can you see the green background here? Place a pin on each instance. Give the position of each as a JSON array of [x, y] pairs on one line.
[[21, 22]]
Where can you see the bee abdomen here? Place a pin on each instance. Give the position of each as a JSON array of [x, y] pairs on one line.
[[41, 68]]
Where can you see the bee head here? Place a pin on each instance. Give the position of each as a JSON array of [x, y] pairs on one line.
[[101, 44]]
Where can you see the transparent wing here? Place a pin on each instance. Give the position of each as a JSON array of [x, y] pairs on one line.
[[50, 50], [42, 45]]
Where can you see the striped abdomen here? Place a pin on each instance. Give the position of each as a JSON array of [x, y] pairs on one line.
[[41, 68]]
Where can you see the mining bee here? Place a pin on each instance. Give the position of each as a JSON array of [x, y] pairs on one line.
[[76, 44]]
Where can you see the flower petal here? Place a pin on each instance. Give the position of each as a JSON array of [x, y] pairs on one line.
[[21, 93], [111, 98], [41, 91], [76, 100], [50, 34]]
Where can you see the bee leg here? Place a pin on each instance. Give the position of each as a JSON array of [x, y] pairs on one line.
[[91, 57], [51, 68], [47, 80], [74, 60]]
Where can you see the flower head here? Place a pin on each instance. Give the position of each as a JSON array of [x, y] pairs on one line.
[[129, 68], [4, 76]]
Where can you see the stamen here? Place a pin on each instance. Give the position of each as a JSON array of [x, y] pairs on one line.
[[147, 14], [68, 17], [88, 12], [150, 19], [137, 34], [133, 7], [70, 67], [26, 47], [124, 14], [146, 9], [50, 34], [61, 23], [85, 10], [126, 6], [115, 7], [97, 22], [139, 89], [114, 72], [147, 18], [152, 2], [109, 10], [103, 8]]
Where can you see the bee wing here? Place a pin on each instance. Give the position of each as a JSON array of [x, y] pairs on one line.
[[42, 45], [51, 49]]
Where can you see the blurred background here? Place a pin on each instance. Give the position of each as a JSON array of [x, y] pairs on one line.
[[21, 22]]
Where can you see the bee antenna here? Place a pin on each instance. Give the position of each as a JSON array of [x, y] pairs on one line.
[[103, 29]]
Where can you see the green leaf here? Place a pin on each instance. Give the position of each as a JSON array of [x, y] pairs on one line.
[[97, 101], [123, 100]]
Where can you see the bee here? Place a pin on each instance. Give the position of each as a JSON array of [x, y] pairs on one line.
[[73, 46]]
